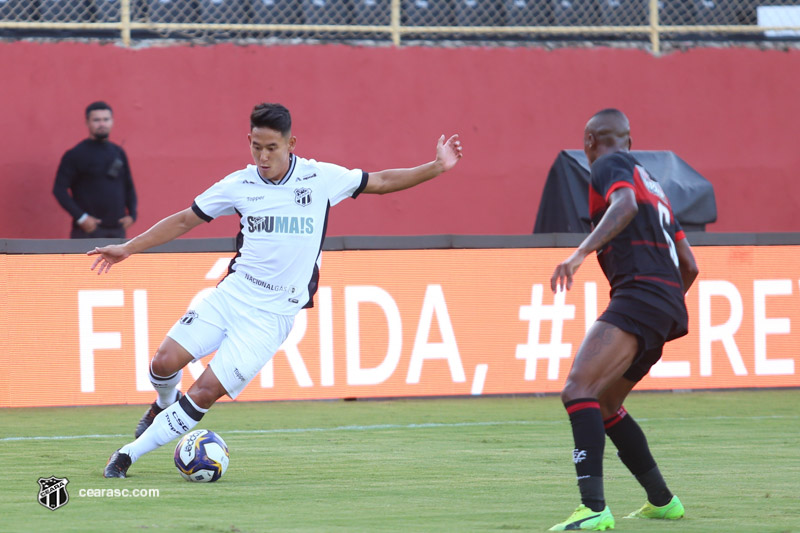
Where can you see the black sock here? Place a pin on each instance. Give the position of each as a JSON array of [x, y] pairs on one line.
[[653, 482], [634, 453], [590, 440]]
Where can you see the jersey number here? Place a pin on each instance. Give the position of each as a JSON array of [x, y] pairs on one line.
[[665, 219]]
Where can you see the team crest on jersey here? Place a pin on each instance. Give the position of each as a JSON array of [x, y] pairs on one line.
[[188, 318], [651, 184], [302, 196]]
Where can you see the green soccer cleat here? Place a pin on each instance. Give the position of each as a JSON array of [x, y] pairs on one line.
[[586, 519], [672, 511]]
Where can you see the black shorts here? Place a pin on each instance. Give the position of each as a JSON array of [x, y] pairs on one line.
[[651, 327]]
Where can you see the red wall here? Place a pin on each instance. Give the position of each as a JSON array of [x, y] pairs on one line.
[[182, 115]]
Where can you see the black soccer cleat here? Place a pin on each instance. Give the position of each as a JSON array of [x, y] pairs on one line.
[[149, 416], [118, 465]]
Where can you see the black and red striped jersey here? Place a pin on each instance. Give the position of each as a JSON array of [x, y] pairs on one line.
[[641, 261]]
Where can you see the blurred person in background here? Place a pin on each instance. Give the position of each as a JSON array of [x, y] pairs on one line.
[[94, 183]]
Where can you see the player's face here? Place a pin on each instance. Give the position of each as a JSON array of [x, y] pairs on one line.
[[99, 123], [270, 151]]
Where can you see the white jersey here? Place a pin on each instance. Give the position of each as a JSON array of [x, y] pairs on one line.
[[283, 224]]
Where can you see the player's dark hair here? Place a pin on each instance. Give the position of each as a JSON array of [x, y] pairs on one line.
[[610, 112], [273, 116], [611, 128], [96, 106]]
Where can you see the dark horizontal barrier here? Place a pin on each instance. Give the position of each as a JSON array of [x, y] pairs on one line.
[[423, 242]]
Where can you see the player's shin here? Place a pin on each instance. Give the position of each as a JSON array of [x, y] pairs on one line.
[[169, 424], [166, 387], [587, 431], [634, 452]]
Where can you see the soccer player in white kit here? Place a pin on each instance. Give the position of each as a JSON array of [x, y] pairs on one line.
[[282, 201]]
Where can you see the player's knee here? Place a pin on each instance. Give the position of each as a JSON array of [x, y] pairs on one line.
[[570, 392], [168, 359], [166, 364], [575, 390], [160, 365]]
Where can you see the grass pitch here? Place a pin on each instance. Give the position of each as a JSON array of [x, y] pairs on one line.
[[445, 465]]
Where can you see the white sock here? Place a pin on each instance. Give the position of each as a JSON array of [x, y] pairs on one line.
[[166, 387], [168, 425]]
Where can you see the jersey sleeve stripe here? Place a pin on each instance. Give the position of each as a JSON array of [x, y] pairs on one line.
[[618, 185], [199, 212], [680, 235], [364, 179]]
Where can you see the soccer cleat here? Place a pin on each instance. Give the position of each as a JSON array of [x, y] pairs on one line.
[[118, 465], [586, 519], [672, 511], [149, 416]]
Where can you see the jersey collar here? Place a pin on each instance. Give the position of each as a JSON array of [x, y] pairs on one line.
[[285, 178]]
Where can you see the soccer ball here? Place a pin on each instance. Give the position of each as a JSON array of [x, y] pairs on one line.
[[201, 455]]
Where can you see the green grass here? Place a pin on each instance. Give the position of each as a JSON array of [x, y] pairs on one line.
[[447, 465]]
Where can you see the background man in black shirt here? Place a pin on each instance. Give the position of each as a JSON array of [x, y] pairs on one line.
[[94, 184]]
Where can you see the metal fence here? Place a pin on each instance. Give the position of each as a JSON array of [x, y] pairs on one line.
[[403, 21]]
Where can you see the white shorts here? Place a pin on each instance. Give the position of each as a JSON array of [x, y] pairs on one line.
[[244, 338]]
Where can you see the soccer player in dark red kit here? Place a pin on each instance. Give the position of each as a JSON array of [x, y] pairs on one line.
[[643, 252]]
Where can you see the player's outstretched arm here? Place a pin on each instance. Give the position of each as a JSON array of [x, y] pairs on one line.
[[385, 181], [619, 214], [162, 232]]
